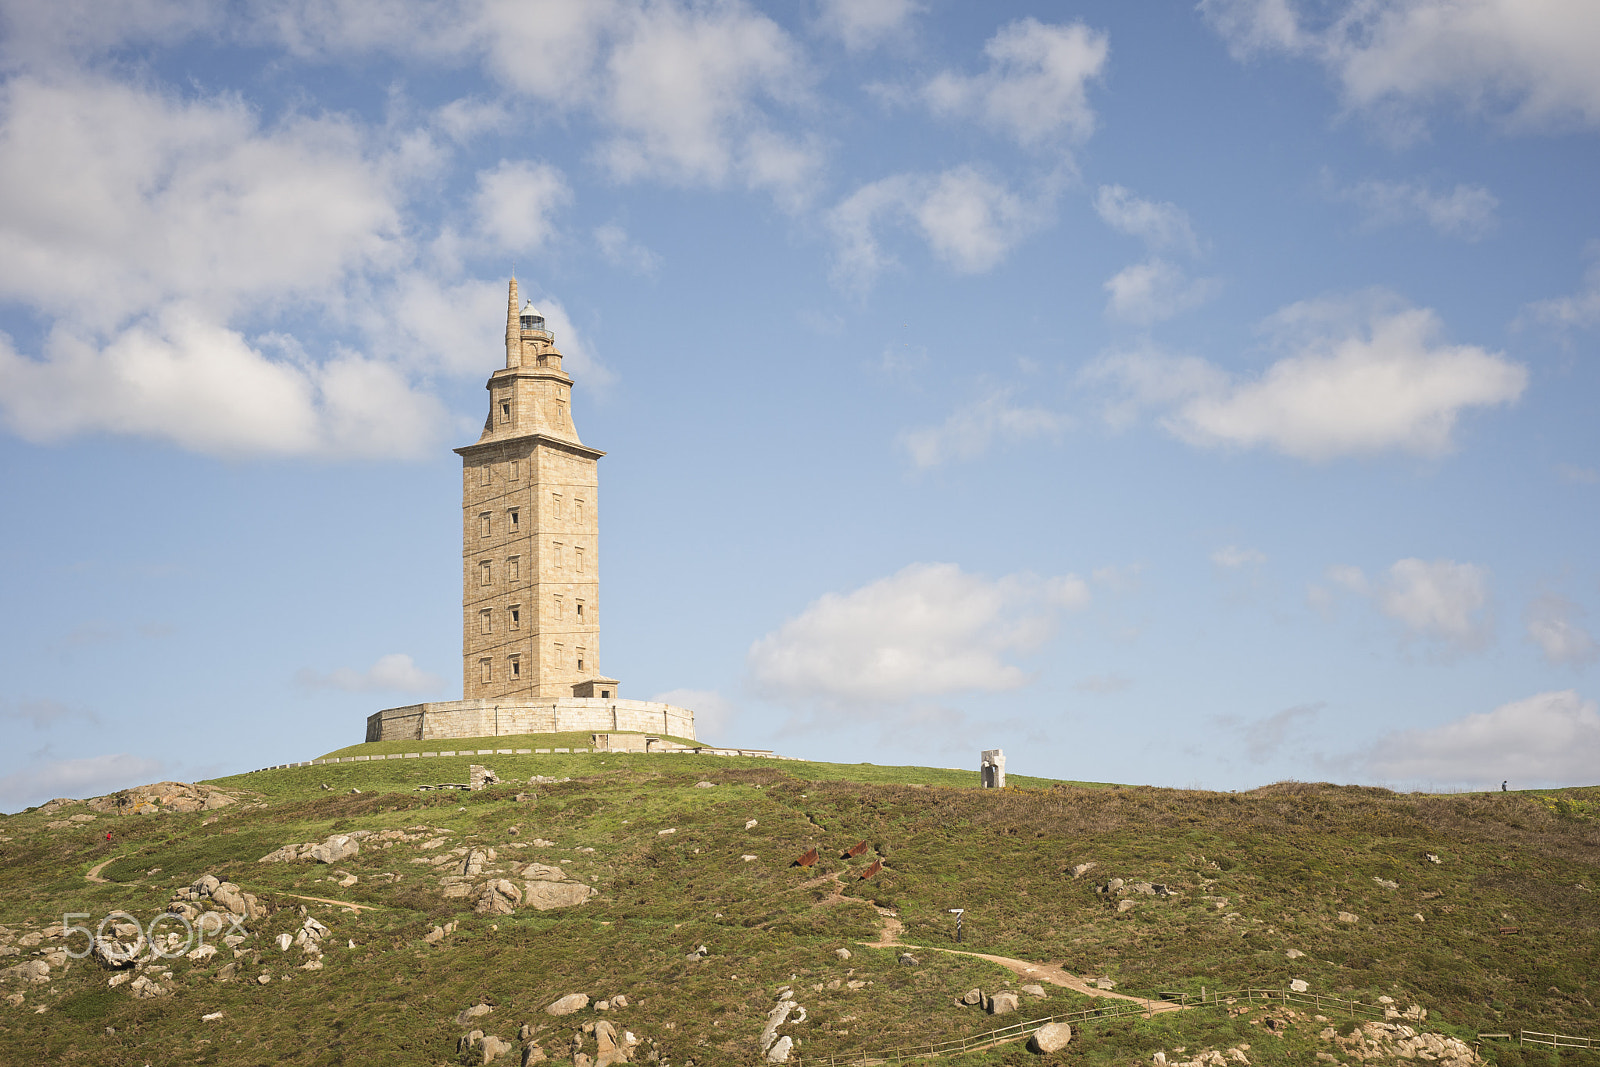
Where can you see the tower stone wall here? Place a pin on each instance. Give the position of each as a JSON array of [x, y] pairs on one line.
[[530, 511]]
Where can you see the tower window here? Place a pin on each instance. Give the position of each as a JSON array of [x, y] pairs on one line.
[[555, 554], [513, 515], [561, 413], [559, 608], [483, 474], [485, 575], [555, 505], [577, 508], [485, 671], [516, 470], [514, 569], [505, 411], [516, 616], [483, 525], [516, 667], [580, 661], [580, 611], [580, 560], [484, 622]]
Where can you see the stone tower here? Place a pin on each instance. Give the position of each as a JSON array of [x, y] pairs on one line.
[[530, 510]]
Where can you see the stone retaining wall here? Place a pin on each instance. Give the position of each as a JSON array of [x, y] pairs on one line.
[[488, 718]]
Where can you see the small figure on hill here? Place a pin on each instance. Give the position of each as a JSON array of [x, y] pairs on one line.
[[1503, 785], [108, 837]]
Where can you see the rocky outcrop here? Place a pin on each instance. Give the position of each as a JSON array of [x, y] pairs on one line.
[[1051, 1037], [162, 797], [335, 849], [568, 1004]]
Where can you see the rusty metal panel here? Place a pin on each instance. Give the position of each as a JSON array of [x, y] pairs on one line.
[[806, 860], [877, 865], [855, 850]]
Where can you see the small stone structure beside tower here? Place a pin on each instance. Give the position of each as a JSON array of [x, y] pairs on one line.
[[992, 771], [530, 568]]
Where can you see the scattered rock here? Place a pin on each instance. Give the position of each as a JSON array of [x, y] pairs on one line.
[[469, 1014], [1299, 985], [533, 1054], [1347, 917], [705, 785], [1034, 990], [1104, 983], [747, 858], [1294, 953], [1051, 1037], [477, 778], [568, 1004], [668, 830], [144, 989], [906, 959], [842, 953], [1430, 857], [540, 872], [1386, 883], [1004, 1003], [779, 1052], [264, 979], [500, 897], [547, 895], [1124, 906], [1083, 868], [284, 941], [972, 998], [494, 1047], [750, 824]]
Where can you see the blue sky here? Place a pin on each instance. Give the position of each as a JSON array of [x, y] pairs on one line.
[[1193, 395]]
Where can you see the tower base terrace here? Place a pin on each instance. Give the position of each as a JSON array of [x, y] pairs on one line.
[[490, 718]]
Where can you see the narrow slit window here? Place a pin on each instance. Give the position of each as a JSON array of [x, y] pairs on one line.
[[580, 611], [483, 474], [485, 671], [483, 525], [485, 624], [555, 554], [516, 667], [559, 609], [580, 559], [516, 616], [512, 514], [485, 573], [514, 569], [555, 505], [577, 511], [516, 470], [505, 411]]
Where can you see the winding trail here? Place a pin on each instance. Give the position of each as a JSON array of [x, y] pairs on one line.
[[889, 937], [326, 900], [94, 872]]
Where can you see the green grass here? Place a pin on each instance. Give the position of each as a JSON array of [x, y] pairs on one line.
[[1284, 861]]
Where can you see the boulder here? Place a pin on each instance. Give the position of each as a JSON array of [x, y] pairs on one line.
[[1386, 883], [205, 885], [229, 896], [1034, 990], [568, 1004], [469, 1014], [1051, 1037], [500, 897], [539, 872], [842, 953], [335, 849], [533, 1054], [1347, 917], [779, 1052], [1299, 985], [1004, 1003], [547, 895], [31, 971], [1082, 869], [972, 998], [906, 959], [494, 1047], [1294, 953]]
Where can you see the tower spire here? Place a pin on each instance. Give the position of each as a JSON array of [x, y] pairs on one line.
[[513, 330]]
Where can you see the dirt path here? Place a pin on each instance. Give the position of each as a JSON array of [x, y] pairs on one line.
[[94, 872], [340, 903], [1036, 972]]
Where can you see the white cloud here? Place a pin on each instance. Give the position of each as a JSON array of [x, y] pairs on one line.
[[184, 379], [44, 713], [714, 714], [82, 777], [1581, 308], [928, 630], [394, 672], [1265, 737], [862, 24], [1529, 64], [1036, 87], [620, 250], [972, 429], [1554, 624], [1154, 290], [1550, 739], [1362, 377], [1467, 211], [515, 201], [1232, 557], [114, 200], [680, 92], [968, 218], [1440, 600], [1162, 225], [1104, 684]]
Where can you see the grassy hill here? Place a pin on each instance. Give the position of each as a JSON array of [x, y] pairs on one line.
[[1501, 933]]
